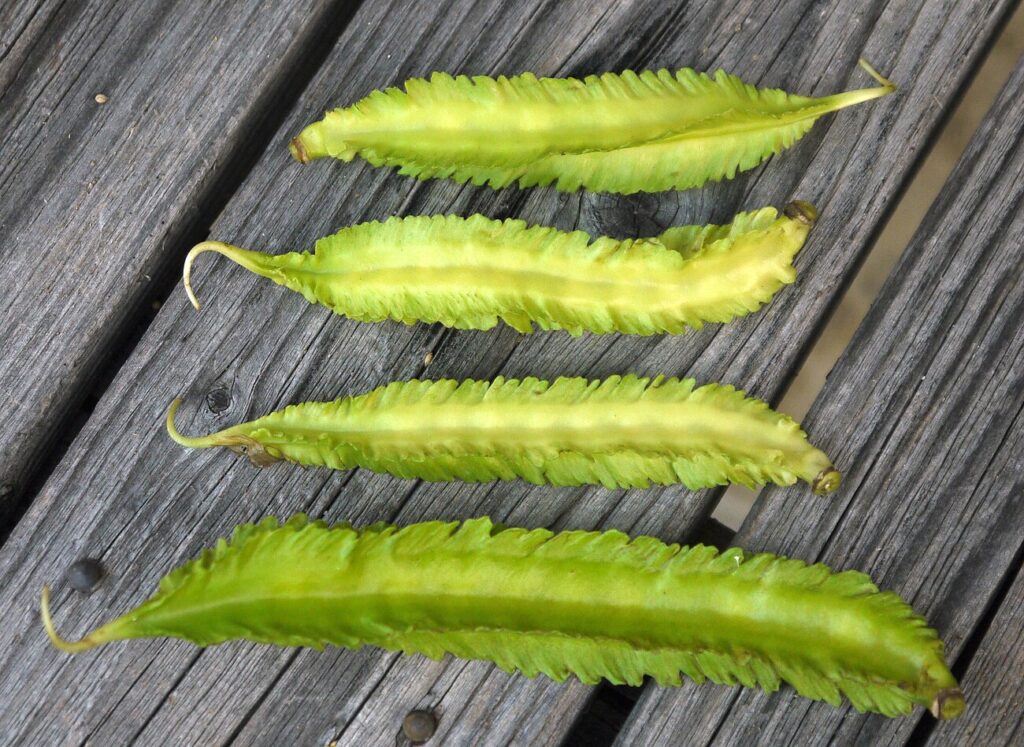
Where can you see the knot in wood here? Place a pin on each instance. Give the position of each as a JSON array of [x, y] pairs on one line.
[[218, 399]]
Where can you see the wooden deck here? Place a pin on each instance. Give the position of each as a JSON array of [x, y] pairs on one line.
[[100, 203]]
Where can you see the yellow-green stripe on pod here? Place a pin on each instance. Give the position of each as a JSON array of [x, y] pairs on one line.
[[624, 431], [624, 133], [468, 273], [597, 605]]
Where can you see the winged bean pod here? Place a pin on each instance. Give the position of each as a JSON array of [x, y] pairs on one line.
[[590, 604], [645, 132], [621, 432], [469, 273]]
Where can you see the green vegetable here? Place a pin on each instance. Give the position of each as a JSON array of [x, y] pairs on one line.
[[610, 133], [591, 604], [620, 432], [468, 273]]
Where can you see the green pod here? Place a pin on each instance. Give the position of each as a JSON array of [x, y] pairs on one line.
[[621, 432], [596, 605], [625, 133], [469, 273]]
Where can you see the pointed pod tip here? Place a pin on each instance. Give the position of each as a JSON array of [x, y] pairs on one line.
[[827, 481], [298, 150], [949, 703], [69, 647], [802, 211]]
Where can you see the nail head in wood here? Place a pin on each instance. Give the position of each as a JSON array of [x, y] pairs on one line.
[[84, 574], [419, 726]]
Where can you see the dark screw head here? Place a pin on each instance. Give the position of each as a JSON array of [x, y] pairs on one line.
[[84, 574], [419, 726]]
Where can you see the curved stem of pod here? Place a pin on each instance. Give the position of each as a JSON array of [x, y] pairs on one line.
[[879, 78], [850, 98], [240, 443], [235, 254], [197, 442], [70, 647]]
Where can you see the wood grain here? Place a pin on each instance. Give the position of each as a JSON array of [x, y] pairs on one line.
[[925, 411], [994, 674], [97, 198], [124, 493]]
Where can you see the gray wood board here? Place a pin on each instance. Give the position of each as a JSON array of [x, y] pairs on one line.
[[993, 677], [924, 412], [125, 493], [95, 196]]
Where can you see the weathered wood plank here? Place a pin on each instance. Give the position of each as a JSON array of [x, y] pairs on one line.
[[263, 347], [925, 412], [375, 37], [993, 677], [95, 195]]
